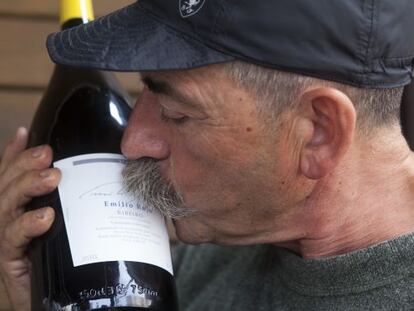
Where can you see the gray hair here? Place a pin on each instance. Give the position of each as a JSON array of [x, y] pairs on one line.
[[277, 90], [143, 180]]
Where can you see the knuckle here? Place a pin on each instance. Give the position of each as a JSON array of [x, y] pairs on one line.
[[18, 163], [8, 146], [4, 201], [14, 188], [8, 210], [7, 234], [15, 232], [10, 143]]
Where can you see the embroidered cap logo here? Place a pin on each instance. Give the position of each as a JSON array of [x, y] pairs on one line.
[[190, 7]]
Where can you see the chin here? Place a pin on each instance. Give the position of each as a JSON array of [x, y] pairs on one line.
[[191, 233]]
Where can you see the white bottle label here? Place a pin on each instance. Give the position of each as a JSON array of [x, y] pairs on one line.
[[102, 221]]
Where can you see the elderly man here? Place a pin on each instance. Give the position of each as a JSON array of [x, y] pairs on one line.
[[276, 124]]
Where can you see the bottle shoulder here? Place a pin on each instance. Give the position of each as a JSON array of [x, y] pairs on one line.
[[81, 112]]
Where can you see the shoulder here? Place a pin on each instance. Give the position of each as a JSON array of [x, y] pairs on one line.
[[222, 276]]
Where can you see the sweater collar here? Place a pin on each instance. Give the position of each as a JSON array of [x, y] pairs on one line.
[[353, 272]]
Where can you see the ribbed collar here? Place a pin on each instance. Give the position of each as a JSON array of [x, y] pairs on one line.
[[354, 272]]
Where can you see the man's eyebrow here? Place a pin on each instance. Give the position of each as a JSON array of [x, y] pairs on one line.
[[165, 88]]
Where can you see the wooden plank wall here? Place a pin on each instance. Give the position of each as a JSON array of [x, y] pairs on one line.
[[25, 67]]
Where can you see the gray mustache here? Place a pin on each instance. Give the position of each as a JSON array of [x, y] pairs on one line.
[[143, 180]]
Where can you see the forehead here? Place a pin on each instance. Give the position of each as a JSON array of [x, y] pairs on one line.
[[205, 86]]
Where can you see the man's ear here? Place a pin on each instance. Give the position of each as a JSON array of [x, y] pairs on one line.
[[331, 117]]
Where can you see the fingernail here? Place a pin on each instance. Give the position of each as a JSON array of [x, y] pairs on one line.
[[37, 152], [43, 213], [45, 174]]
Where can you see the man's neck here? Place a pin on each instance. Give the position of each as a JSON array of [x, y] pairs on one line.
[[366, 201]]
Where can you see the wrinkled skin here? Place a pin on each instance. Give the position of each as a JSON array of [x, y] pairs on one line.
[[216, 152]]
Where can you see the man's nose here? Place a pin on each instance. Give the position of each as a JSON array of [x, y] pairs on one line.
[[143, 136]]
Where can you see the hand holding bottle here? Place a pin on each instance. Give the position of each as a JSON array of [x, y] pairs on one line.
[[24, 174]]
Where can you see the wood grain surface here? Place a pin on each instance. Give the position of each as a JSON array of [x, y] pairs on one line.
[[24, 60], [25, 67], [25, 70], [16, 110], [50, 8]]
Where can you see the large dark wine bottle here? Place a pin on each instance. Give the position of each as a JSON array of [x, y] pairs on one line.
[[105, 251]]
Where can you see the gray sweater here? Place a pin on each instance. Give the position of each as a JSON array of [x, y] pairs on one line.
[[265, 277]]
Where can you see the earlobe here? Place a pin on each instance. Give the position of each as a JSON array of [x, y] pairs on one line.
[[332, 117]]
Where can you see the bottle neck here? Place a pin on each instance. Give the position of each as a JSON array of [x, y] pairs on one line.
[[75, 12]]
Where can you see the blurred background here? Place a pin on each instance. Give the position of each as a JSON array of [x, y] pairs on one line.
[[25, 68]]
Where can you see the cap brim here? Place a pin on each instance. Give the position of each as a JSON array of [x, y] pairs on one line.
[[130, 39]]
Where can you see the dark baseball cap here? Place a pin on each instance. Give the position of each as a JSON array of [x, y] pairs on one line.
[[366, 43]]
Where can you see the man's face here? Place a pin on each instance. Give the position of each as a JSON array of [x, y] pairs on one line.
[[210, 143]]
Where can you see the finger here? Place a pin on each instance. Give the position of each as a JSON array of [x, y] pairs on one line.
[[37, 158], [18, 234], [18, 283], [22, 189], [14, 147]]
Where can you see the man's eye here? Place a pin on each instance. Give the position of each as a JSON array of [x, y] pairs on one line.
[[175, 117]]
